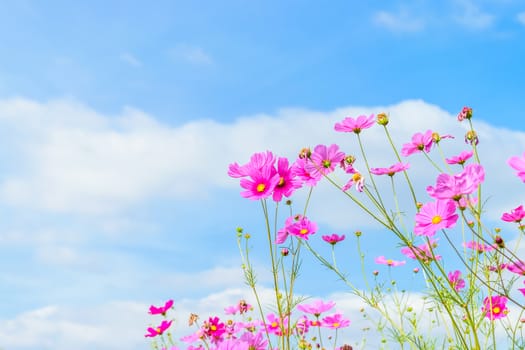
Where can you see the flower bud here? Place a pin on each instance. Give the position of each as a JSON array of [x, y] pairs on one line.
[[305, 153], [358, 233], [499, 241], [382, 119], [285, 251], [375, 272], [471, 137], [466, 113]]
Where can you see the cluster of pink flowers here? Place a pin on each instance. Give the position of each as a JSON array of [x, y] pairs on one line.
[[165, 324]]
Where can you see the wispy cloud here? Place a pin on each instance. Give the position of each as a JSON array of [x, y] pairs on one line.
[[401, 21], [191, 54], [471, 16], [130, 59]]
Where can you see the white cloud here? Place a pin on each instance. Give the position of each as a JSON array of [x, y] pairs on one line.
[[130, 59], [471, 16], [401, 21], [521, 17], [191, 54]]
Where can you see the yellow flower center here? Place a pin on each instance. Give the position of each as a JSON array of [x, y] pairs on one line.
[[436, 219], [496, 310], [261, 187], [390, 262], [335, 324], [281, 182], [303, 231], [213, 327], [274, 324], [356, 177], [159, 330], [327, 163]]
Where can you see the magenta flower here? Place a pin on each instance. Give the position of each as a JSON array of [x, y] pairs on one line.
[[420, 143], [435, 216], [302, 228], [456, 281], [153, 332], [323, 160], [461, 158], [423, 252], [391, 170], [355, 125], [382, 260], [357, 179], [287, 183], [213, 328], [257, 162], [517, 267], [455, 186], [276, 325], [495, 307], [333, 239], [335, 321], [261, 185], [302, 325], [515, 215], [479, 247], [316, 308], [161, 310], [283, 233], [518, 164]]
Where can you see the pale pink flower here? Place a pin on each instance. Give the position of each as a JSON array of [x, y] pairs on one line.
[[420, 143], [515, 215], [299, 169], [256, 163], [357, 179], [355, 125], [302, 228], [479, 247], [518, 164], [495, 307], [455, 186], [466, 113], [323, 160], [256, 341], [316, 308], [283, 233], [382, 260], [435, 216], [461, 158], [391, 170], [335, 321], [423, 252], [456, 281]]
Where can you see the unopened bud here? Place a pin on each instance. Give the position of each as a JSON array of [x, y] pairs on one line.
[[305, 153], [358, 233], [499, 241], [285, 251], [471, 137], [382, 119]]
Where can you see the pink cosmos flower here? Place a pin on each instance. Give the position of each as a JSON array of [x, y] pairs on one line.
[[391, 170], [355, 125], [420, 143], [161, 310], [465, 202], [455, 186], [466, 113], [256, 341], [495, 307], [316, 308], [517, 267], [299, 169], [302, 228], [283, 233], [435, 216], [213, 328], [382, 260], [323, 160], [522, 290], [153, 332], [515, 215], [479, 247], [518, 164], [276, 325], [456, 281], [241, 307], [335, 321], [461, 158], [287, 183], [423, 252], [256, 163], [302, 325], [333, 239], [261, 185], [357, 179]]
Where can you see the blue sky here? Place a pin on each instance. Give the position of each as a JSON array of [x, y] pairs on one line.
[[118, 122]]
